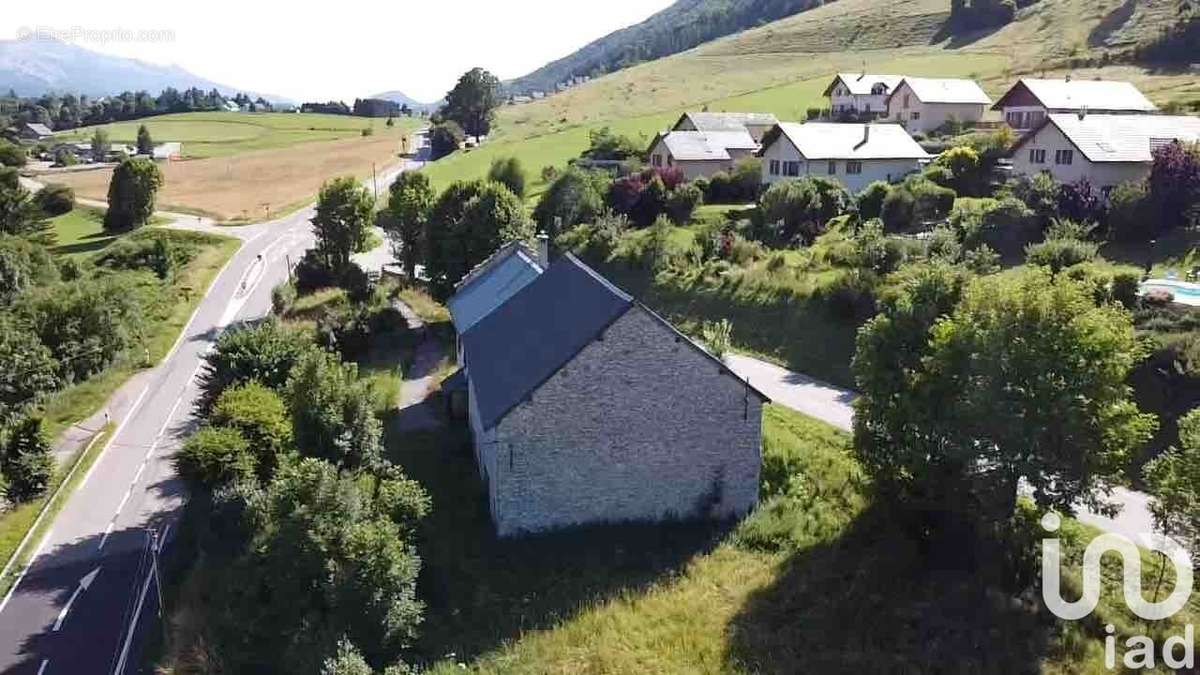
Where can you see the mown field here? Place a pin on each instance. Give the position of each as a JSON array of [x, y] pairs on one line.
[[784, 67], [220, 134]]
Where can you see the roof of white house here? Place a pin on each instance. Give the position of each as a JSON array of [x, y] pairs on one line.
[[828, 140], [726, 121], [705, 145], [861, 84], [1121, 138], [1071, 94], [945, 90]]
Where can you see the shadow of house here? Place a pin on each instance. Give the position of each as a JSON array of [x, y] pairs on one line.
[[482, 591], [871, 602]]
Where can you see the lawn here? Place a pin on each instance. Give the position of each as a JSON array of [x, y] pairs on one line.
[[80, 233], [815, 580], [220, 134]]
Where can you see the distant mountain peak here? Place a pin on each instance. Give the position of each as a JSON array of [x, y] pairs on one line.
[[400, 97]]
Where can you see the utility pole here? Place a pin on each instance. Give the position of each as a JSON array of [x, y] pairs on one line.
[[374, 181], [154, 550]]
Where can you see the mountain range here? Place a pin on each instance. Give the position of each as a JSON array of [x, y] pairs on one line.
[[32, 67], [403, 99], [683, 25]]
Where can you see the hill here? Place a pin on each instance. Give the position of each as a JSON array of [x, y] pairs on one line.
[[37, 66], [784, 66], [404, 99], [681, 26]]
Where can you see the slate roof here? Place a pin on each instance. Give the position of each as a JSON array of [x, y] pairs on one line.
[[491, 283], [726, 121], [1108, 95], [944, 90], [39, 129], [829, 140], [860, 84], [705, 145], [512, 351], [1120, 138]]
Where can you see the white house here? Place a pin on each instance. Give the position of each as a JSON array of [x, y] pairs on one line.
[[853, 154], [757, 124], [1028, 102], [923, 104], [860, 92], [701, 153], [1104, 148]]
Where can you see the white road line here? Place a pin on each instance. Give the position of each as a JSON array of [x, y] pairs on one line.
[[21, 577], [84, 584], [137, 611], [42, 668], [120, 427], [107, 531]]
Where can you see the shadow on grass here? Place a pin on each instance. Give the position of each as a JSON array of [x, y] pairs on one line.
[[88, 244], [481, 591], [870, 602]]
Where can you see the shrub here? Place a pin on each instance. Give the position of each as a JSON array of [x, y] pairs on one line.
[[55, 200], [445, 138], [1080, 201], [27, 464], [577, 196], [333, 412], [1130, 216], [264, 353], [312, 273], [650, 203], [215, 456], [624, 193], [800, 210], [509, 172], [1060, 253], [967, 172], [898, 210], [1039, 192], [852, 295], [877, 252], [11, 154], [682, 203], [718, 337], [932, 201], [23, 264], [260, 416], [870, 200], [152, 250], [282, 297]]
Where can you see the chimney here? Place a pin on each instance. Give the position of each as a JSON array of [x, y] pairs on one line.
[[543, 251], [1067, 78], [1082, 112], [866, 136]]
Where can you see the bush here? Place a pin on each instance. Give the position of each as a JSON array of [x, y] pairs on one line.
[[264, 353], [509, 172], [870, 200], [1080, 201], [151, 250], [851, 297], [445, 138], [260, 416], [718, 337], [877, 252], [214, 457], [27, 464], [577, 196], [932, 201], [682, 203], [333, 413], [1061, 253], [898, 210], [55, 200], [23, 264], [11, 154], [282, 297], [798, 211], [312, 273], [1129, 213]]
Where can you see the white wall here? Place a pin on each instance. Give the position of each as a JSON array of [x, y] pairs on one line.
[[889, 170], [841, 100], [1100, 174], [693, 169], [931, 115]]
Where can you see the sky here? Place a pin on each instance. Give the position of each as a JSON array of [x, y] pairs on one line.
[[325, 50]]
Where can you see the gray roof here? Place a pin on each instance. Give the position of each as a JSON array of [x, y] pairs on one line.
[[491, 283], [512, 351], [706, 145], [1121, 138], [860, 84], [727, 121], [944, 90], [1075, 94], [39, 129], [828, 140]]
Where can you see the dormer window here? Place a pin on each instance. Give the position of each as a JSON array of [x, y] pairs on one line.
[[879, 88]]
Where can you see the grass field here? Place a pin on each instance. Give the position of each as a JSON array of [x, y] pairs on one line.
[[220, 134], [80, 232]]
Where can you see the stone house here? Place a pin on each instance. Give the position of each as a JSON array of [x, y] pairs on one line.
[[1105, 149], [855, 155], [860, 93], [923, 104], [1026, 105], [701, 153], [587, 407]]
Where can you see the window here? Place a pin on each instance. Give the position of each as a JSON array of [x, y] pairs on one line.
[[853, 167], [832, 167], [867, 108], [656, 160], [916, 115], [774, 167], [1064, 157], [791, 168], [1037, 155]]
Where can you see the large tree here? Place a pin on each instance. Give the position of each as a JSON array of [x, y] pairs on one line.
[[100, 145], [332, 413], [344, 209], [1174, 479], [410, 199], [131, 194], [473, 101], [1019, 378], [468, 223], [145, 145]]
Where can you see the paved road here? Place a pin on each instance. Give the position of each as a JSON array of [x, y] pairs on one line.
[[834, 405], [81, 604]]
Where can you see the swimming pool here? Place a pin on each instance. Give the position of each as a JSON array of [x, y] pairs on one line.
[[1185, 292]]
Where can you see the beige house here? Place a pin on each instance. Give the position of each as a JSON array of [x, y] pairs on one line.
[[1103, 148], [701, 153], [1027, 103], [757, 124], [855, 155], [923, 104], [860, 93]]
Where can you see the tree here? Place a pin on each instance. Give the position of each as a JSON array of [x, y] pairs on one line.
[[1174, 481], [131, 194], [968, 174], [19, 212], [682, 203], [346, 661], [100, 145], [445, 138], [1174, 184], [55, 200], [332, 412], [970, 386], [467, 224], [473, 101], [27, 463], [800, 210], [214, 457], [870, 200], [260, 416], [607, 145], [28, 370], [576, 196], [11, 154], [341, 223], [263, 353], [508, 172], [410, 199], [145, 145]]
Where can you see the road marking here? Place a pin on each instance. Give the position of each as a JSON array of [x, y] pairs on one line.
[[137, 611], [42, 668], [107, 531], [120, 427], [84, 583], [21, 577]]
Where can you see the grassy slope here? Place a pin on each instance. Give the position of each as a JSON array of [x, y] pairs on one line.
[[219, 134], [784, 66]]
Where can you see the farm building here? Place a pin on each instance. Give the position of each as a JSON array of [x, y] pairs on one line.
[[701, 153], [34, 132], [1105, 149], [853, 154], [860, 93], [923, 104], [586, 407], [1027, 103], [756, 124]]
